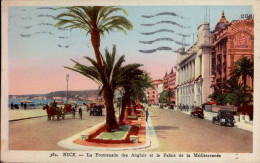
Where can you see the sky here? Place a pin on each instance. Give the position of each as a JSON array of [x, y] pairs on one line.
[[37, 50]]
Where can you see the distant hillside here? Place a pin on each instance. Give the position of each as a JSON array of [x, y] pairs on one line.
[[72, 94]]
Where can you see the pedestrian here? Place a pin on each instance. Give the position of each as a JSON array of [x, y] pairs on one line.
[[80, 113], [146, 114], [73, 113], [12, 105], [54, 104], [25, 106]]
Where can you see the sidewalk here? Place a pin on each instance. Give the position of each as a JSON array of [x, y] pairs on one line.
[[15, 115], [241, 125]]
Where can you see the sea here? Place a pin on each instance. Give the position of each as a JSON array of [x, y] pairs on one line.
[[41, 102]]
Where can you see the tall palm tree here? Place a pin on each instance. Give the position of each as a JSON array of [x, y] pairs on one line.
[[244, 68], [96, 20], [115, 72]]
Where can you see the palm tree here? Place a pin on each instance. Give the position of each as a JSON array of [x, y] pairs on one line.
[[115, 73], [244, 68], [218, 96], [134, 87], [237, 93], [165, 96], [96, 20]]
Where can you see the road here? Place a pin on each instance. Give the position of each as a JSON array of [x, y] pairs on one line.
[[178, 132], [40, 134]]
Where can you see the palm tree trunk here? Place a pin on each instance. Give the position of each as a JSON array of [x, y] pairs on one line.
[[244, 80], [111, 122], [125, 100]]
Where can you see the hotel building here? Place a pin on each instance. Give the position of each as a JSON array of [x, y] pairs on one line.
[[152, 94], [193, 70], [169, 81], [232, 41]]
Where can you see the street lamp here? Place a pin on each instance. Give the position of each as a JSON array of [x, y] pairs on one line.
[[67, 78]]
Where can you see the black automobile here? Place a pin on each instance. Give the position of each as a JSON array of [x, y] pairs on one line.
[[224, 117], [96, 111]]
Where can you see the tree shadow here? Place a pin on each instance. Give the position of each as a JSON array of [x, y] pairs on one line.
[[165, 128]]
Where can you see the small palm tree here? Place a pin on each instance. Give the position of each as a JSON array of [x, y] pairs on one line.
[[237, 93], [134, 87], [165, 96], [244, 68], [115, 73], [218, 96]]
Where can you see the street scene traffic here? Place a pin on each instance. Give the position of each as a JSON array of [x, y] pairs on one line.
[[131, 78]]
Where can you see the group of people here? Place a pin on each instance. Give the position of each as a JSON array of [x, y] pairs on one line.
[[73, 111], [15, 106]]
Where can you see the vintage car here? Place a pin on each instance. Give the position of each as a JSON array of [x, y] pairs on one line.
[[197, 112], [96, 111], [224, 117]]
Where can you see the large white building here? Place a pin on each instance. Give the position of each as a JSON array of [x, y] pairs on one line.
[[193, 70]]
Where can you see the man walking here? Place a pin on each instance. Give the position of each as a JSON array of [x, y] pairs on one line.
[[80, 113], [146, 114]]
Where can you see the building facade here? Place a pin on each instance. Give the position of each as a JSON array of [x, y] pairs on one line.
[[169, 82], [152, 93], [160, 89], [232, 41], [193, 70]]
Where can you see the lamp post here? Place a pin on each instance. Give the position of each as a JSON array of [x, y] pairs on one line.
[[67, 78]]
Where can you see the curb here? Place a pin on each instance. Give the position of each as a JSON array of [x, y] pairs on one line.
[[68, 143], [26, 118]]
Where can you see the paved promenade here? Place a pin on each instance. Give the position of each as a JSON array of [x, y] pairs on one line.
[[25, 114]]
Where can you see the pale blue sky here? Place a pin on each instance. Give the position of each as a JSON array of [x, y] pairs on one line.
[[41, 50]]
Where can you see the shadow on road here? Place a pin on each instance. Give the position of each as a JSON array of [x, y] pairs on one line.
[[165, 128]]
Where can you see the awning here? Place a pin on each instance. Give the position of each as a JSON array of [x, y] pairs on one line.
[[212, 102]]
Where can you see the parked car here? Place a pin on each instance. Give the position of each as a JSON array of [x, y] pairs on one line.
[[197, 112], [224, 117], [96, 111]]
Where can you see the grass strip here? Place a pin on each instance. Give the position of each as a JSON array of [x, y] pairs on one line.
[[119, 134]]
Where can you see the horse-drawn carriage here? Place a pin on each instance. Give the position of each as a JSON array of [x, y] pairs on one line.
[[57, 109]]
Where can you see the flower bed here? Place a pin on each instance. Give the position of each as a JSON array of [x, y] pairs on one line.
[[93, 137], [119, 134], [118, 138]]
